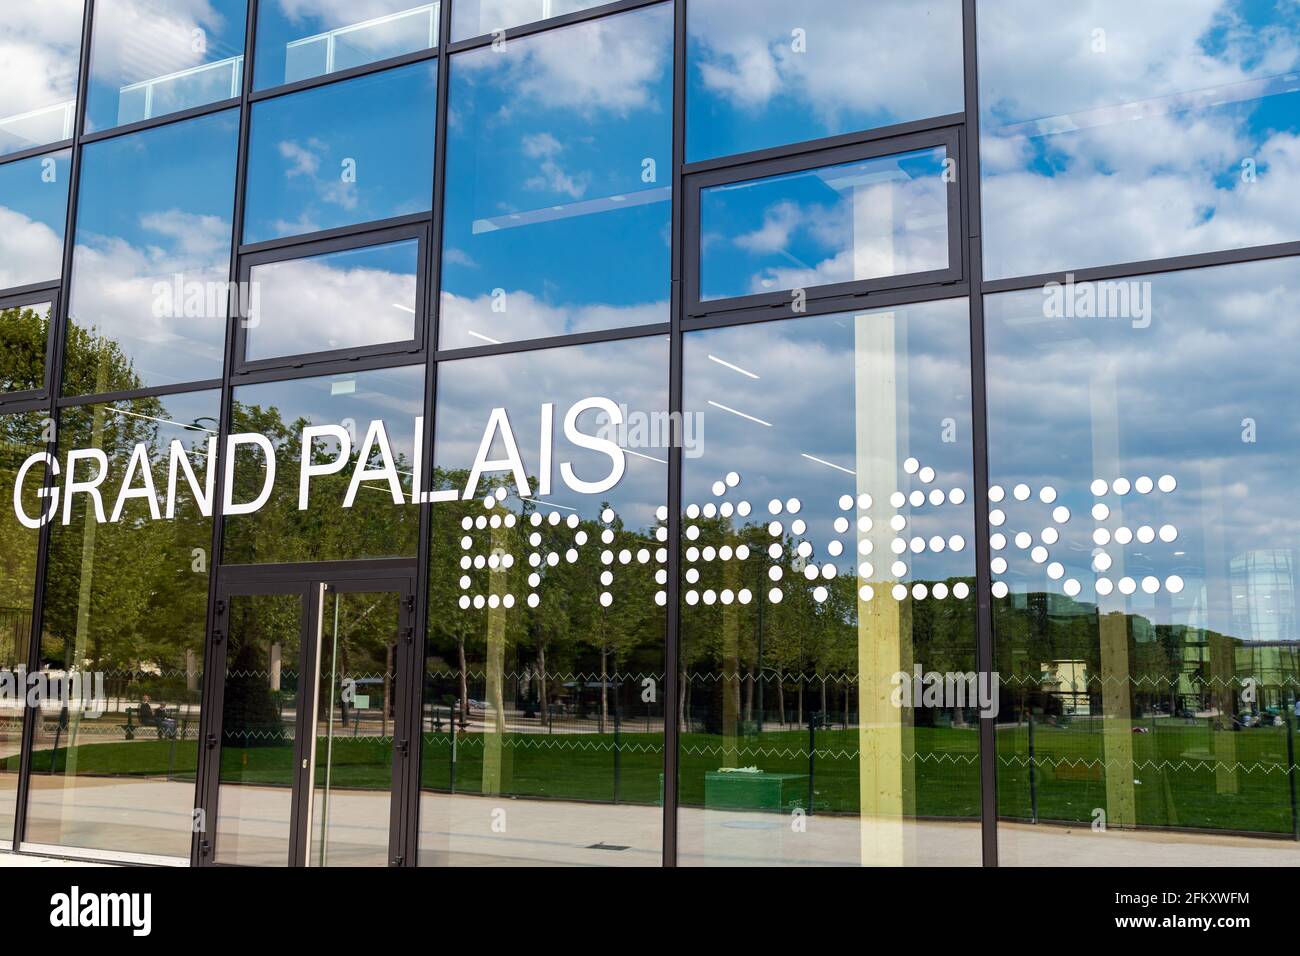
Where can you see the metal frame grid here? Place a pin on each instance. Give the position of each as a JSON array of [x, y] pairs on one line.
[[960, 132]]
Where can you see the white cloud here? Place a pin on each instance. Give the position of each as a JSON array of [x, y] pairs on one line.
[[30, 251]]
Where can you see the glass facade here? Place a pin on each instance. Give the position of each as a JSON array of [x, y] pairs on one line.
[[655, 433]]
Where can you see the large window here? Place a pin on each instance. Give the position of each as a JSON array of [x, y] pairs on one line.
[[561, 156], [1120, 132], [150, 270], [775, 73], [829, 702], [1142, 447], [347, 153], [40, 48], [542, 721], [153, 57], [126, 596]]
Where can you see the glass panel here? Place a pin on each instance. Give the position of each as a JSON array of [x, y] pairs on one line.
[[355, 712], [296, 42], [560, 147], [339, 300], [350, 152], [151, 264], [24, 338], [33, 218], [1150, 670], [153, 57], [1117, 132], [785, 73], [543, 688], [126, 601], [259, 709], [472, 18], [350, 513], [868, 219], [40, 49], [20, 437], [830, 703]]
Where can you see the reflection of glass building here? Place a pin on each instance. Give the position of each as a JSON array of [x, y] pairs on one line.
[[665, 432]]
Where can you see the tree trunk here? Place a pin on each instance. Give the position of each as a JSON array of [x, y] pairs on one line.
[[541, 675]]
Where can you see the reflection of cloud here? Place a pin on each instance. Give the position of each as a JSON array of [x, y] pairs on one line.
[[38, 54], [813, 374], [309, 305], [1146, 182], [113, 291], [613, 65], [1068, 396], [633, 372], [30, 251], [140, 39], [527, 317], [895, 57]]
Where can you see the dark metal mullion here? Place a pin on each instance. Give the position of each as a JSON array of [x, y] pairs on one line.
[[1125, 270], [208, 771], [838, 141], [32, 152], [167, 119], [672, 623], [985, 656], [553, 23], [340, 76], [884, 299], [414, 708], [54, 377], [126, 395], [352, 231], [557, 341]]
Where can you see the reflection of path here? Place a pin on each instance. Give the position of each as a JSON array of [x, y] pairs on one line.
[[458, 829]]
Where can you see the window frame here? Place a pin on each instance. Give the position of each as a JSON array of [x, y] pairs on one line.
[[948, 137], [311, 248], [40, 296]]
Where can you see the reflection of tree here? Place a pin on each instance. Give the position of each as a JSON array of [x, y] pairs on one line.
[[24, 330], [373, 527]]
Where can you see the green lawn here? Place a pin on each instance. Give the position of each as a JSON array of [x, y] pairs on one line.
[[1176, 781]]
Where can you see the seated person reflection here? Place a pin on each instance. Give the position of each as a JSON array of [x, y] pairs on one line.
[[149, 717]]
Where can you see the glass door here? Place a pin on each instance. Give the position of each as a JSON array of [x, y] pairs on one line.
[[310, 738], [355, 715]]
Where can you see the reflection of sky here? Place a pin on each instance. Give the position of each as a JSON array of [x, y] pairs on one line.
[[345, 299], [33, 214], [863, 66], [40, 45], [304, 148], [472, 18], [299, 39], [1135, 151], [394, 396], [168, 42], [153, 205], [862, 220], [547, 162], [778, 402], [632, 372], [1073, 400]]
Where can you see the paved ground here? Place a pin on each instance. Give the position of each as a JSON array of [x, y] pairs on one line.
[[474, 830]]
